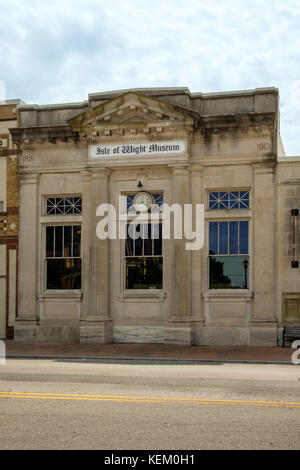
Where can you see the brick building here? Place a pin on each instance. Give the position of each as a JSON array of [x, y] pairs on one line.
[[9, 208]]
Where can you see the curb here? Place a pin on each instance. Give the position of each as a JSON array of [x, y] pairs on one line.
[[148, 359]]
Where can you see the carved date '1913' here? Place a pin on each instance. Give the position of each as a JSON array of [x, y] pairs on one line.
[[266, 146]]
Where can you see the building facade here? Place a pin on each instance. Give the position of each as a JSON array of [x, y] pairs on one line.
[[9, 208], [151, 148]]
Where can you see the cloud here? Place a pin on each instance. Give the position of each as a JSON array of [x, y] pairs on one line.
[[62, 50]]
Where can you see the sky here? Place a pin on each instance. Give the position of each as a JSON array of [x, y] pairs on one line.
[[61, 50]]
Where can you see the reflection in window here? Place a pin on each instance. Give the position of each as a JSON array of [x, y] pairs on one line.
[[63, 257], [228, 255], [143, 256]]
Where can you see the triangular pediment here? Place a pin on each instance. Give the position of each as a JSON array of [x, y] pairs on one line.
[[131, 107]]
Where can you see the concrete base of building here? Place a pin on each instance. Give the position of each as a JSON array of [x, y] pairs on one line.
[[178, 333], [99, 332], [26, 330], [222, 336], [236, 336], [138, 334], [64, 332], [263, 334]]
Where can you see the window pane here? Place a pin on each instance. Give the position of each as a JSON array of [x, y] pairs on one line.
[[158, 202], [58, 242], [233, 238], [234, 204], [244, 237], [60, 206], [148, 242], [49, 242], [69, 205], [144, 273], [213, 200], [50, 206], [67, 241], [128, 244], [228, 272], [130, 199], [63, 273], [157, 234], [224, 200], [77, 205], [138, 243], [76, 240], [213, 238], [223, 238]]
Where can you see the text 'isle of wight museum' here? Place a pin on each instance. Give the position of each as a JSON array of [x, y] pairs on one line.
[[157, 146]]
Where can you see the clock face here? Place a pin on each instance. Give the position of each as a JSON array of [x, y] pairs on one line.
[[142, 202]]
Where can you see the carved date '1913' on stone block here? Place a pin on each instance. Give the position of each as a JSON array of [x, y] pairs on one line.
[[266, 146]]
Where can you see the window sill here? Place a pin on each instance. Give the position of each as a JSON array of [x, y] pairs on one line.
[[227, 293], [76, 294], [230, 213], [61, 219], [158, 296]]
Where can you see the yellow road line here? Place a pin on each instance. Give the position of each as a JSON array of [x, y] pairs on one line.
[[148, 398], [198, 401]]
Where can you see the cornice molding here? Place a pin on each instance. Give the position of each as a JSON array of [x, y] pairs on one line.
[[200, 137]]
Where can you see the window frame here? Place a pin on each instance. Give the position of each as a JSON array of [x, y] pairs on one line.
[[61, 196], [45, 258], [228, 209], [130, 218], [152, 289], [230, 291]]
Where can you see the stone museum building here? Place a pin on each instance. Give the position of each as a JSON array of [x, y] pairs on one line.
[[151, 148], [9, 209]]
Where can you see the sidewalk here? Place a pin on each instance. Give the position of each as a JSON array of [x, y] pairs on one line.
[[149, 352]]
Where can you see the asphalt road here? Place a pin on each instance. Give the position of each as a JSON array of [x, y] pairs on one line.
[[60, 404]]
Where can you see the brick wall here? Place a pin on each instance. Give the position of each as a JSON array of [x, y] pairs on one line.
[[9, 220]]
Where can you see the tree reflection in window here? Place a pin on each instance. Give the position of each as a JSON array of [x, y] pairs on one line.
[[228, 255]]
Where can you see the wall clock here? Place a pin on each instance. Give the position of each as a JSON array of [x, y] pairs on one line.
[[142, 202]]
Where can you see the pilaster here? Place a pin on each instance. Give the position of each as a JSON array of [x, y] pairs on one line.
[[26, 321], [179, 329], [96, 323], [263, 327]]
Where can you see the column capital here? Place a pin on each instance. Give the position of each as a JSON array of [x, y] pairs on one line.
[[28, 178], [197, 170], [262, 168], [86, 175], [100, 173], [180, 170]]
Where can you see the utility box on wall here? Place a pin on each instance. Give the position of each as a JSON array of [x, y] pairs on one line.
[[291, 308]]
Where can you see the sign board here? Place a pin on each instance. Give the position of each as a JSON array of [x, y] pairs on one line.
[[3, 143], [137, 150]]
